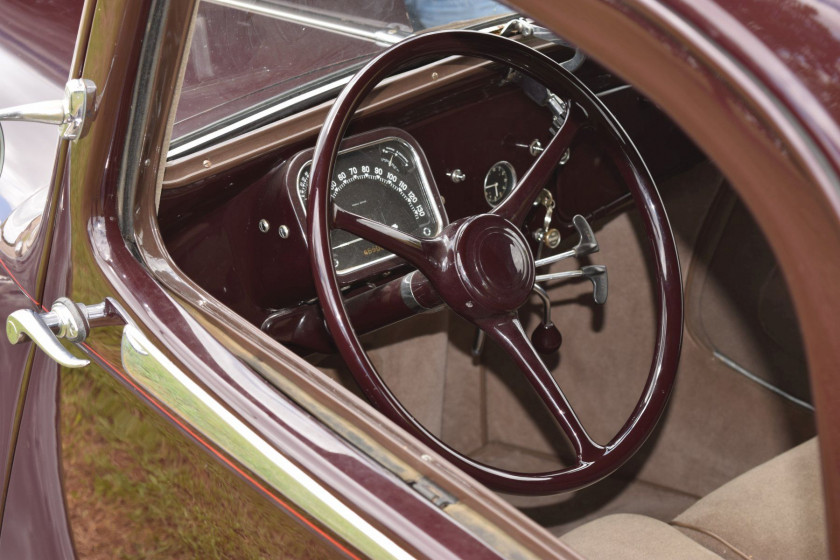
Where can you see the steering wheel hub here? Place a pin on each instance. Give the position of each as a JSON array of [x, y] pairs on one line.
[[494, 263]]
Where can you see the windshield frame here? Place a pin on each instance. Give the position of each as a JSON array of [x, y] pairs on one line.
[[302, 97]]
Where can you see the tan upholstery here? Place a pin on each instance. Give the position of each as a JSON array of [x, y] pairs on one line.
[[775, 511], [633, 537]]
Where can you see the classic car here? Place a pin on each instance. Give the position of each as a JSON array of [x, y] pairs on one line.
[[397, 278]]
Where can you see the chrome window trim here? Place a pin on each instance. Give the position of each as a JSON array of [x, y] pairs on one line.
[[231, 129], [292, 104], [150, 368], [384, 35]]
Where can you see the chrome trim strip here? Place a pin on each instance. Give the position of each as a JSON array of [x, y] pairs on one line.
[[613, 90], [752, 377], [161, 378], [385, 35], [208, 138], [332, 88]]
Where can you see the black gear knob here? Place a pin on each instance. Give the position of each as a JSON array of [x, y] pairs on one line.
[[546, 338]]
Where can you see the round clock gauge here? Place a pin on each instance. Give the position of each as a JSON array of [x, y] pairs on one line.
[[498, 182]]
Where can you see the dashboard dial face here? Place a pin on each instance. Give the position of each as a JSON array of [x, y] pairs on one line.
[[382, 181], [498, 182]]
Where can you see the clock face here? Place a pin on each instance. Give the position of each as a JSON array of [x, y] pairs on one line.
[[498, 182]]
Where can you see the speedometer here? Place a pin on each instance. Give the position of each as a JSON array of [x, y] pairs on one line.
[[384, 180]]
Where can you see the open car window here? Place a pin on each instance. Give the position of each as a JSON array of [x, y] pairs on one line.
[[246, 55]]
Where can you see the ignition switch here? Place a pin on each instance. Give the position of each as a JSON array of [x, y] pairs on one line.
[[547, 235]]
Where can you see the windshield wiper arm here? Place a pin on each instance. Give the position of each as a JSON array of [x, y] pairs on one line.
[[383, 34]]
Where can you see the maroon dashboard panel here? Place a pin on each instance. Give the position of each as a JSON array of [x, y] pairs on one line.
[[225, 233]]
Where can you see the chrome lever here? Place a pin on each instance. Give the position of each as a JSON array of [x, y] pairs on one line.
[[586, 246], [478, 344], [597, 273], [546, 337], [68, 320]]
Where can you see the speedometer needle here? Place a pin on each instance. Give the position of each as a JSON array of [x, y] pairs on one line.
[[346, 243]]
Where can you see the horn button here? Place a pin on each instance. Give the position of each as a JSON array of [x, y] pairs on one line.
[[494, 264]]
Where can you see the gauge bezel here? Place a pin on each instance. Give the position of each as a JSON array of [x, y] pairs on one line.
[[296, 164], [513, 175]]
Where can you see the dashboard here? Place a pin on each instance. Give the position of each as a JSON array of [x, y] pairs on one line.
[[428, 155]]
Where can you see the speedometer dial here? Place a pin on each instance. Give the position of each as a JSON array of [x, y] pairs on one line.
[[383, 181]]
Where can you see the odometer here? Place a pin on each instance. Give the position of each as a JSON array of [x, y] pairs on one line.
[[383, 181]]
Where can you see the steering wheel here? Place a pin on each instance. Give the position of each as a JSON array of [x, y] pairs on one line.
[[483, 269]]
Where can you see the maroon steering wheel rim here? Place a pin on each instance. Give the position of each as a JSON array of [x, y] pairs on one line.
[[594, 461]]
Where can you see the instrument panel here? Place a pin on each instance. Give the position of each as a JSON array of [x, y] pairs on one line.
[[383, 176]]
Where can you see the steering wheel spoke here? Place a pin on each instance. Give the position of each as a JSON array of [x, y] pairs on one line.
[[516, 206], [507, 332], [413, 249]]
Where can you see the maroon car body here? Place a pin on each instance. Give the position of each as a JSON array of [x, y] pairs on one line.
[[755, 86]]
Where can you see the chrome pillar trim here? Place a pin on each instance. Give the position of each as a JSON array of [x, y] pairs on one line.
[[161, 378], [69, 114]]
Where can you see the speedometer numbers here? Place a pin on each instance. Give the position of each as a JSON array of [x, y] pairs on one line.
[[498, 182], [385, 180]]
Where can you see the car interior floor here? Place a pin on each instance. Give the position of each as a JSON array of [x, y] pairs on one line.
[[719, 423]]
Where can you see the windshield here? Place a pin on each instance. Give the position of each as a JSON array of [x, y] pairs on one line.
[[245, 53]]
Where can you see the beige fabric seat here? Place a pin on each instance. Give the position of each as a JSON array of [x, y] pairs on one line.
[[775, 511]]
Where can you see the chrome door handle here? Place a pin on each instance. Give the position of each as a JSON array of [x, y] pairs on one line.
[[66, 319]]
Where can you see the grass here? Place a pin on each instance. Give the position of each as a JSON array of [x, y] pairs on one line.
[[137, 487]]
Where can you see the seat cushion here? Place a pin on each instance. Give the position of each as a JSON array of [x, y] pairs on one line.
[[774, 511], [633, 537]]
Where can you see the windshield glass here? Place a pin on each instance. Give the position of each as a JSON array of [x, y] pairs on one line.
[[246, 52]]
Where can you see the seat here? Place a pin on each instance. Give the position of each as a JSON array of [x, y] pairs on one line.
[[774, 511]]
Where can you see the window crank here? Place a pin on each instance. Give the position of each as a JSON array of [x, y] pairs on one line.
[[68, 320]]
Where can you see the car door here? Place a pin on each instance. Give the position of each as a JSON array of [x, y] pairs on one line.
[[35, 68], [168, 443]]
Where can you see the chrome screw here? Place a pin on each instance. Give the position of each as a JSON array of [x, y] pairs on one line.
[[456, 175], [565, 157]]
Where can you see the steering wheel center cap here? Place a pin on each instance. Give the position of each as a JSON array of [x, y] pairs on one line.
[[494, 263]]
